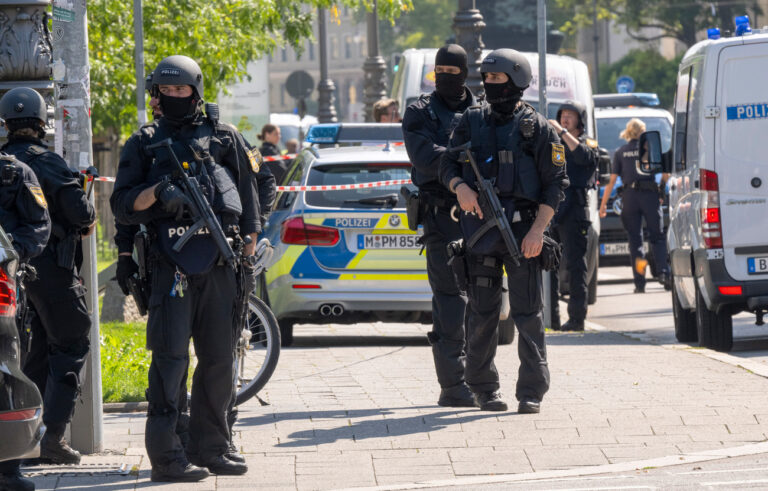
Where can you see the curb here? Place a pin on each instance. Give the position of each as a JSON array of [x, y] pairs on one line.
[[125, 407]]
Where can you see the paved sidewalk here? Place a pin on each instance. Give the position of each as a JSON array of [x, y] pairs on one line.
[[348, 411]]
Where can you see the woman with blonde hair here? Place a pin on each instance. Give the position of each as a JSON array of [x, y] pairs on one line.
[[641, 199]]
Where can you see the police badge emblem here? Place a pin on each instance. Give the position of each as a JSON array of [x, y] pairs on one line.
[[558, 154], [37, 193], [254, 156]]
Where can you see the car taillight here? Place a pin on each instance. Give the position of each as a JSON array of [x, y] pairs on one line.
[[729, 290], [7, 295], [295, 231], [19, 415], [711, 228]]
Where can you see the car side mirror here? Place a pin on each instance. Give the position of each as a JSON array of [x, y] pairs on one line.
[[603, 164], [649, 159]]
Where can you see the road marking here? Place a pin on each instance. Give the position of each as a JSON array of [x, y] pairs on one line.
[[761, 469], [610, 487], [734, 483], [671, 460]]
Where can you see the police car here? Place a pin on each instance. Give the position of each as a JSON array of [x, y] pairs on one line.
[[612, 112], [343, 249], [717, 236]]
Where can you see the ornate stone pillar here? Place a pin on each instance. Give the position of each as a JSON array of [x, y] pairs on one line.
[[468, 25], [375, 67]]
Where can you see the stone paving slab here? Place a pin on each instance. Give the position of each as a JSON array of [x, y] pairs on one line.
[[363, 414]]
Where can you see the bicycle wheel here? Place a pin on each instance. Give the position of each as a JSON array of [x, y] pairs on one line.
[[257, 351]]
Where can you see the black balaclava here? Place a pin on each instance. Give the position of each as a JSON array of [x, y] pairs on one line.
[[449, 86], [504, 97], [179, 109]]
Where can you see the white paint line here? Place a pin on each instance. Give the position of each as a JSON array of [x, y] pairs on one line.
[[610, 487], [734, 483], [720, 471], [672, 460]]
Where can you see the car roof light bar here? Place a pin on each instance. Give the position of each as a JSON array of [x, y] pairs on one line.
[[355, 133]]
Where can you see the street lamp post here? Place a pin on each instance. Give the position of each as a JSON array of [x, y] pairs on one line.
[[374, 67], [326, 112], [468, 24], [595, 39]]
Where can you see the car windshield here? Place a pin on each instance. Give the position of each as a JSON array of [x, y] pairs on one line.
[[608, 130], [385, 197]]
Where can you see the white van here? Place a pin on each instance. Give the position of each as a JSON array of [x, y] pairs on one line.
[[718, 233]]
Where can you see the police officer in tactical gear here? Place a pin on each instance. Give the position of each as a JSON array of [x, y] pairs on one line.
[[515, 146], [24, 217], [571, 223], [61, 323], [427, 127], [641, 198], [192, 290]]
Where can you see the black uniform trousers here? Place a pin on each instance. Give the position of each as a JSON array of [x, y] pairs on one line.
[[572, 230], [485, 279], [636, 205], [205, 313], [448, 337], [60, 343]]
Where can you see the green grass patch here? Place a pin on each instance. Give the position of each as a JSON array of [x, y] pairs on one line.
[[124, 361]]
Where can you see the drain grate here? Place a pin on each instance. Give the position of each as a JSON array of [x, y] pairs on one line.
[[81, 470]]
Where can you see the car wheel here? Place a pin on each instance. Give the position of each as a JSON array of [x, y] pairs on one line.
[[506, 331], [286, 332], [685, 320], [592, 288], [715, 330]]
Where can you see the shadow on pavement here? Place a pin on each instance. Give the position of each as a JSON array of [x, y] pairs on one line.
[[340, 414], [592, 338]]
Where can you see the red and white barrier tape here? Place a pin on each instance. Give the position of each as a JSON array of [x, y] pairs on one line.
[[332, 187], [274, 158]]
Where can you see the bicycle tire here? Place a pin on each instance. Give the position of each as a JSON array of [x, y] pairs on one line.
[[265, 338]]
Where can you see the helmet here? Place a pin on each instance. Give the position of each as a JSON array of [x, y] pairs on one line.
[[576, 107], [511, 62], [23, 103], [179, 70]]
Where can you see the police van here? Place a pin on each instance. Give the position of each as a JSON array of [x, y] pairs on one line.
[[718, 232], [567, 79]]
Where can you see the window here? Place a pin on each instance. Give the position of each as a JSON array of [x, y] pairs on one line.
[[334, 47], [358, 173], [681, 117], [347, 47], [694, 123], [292, 177]]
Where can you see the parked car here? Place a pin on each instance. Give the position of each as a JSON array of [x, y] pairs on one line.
[[612, 112], [21, 423], [718, 193]]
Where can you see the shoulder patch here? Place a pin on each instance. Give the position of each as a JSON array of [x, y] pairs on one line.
[[37, 193], [558, 154], [255, 158], [591, 143], [37, 149]]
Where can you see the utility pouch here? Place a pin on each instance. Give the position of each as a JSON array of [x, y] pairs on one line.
[[457, 260], [551, 253], [413, 208], [66, 250]]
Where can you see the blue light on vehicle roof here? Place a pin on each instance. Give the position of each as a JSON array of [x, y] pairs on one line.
[[648, 98], [323, 133], [742, 25], [713, 33]]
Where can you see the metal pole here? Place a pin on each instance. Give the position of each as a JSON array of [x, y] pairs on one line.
[[542, 21], [73, 142], [468, 25], [326, 112], [595, 39], [375, 67], [138, 37]]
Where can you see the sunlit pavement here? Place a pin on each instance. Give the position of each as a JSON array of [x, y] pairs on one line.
[[355, 406]]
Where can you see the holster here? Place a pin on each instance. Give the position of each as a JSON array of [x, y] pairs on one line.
[[413, 208], [66, 250], [139, 286], [457, 260], [551, 253]]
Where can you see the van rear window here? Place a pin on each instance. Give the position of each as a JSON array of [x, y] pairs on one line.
[[358, 173]]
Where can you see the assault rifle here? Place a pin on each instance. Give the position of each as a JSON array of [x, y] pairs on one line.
[[201, 210], [493, 212]]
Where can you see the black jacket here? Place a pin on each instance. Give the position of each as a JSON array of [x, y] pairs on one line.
[[23, 209]]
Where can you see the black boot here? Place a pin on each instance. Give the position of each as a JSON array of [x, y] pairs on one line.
[[457, 396], [14, 481], [529, 406], [222, 466], [233, 455], [573, 325], [490, 401], [54, 449], [178, 471]]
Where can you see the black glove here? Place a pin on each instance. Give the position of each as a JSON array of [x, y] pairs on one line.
[[172, 198], [551, 252], [126, 267]]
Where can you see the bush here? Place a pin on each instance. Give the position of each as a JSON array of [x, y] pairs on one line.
[[124, 361], [651, 72]]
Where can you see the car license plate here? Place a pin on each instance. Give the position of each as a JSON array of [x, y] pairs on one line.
[[392, 241], [757, 265], [614, 249]]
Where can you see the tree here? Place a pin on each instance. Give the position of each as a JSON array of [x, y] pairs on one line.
[[651, 72], [222, 36], [427, 25], [679, 19]]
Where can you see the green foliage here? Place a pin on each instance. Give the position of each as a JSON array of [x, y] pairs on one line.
[[680, 19], [124, 361], [221, 36], [651, 72], [427, 25]]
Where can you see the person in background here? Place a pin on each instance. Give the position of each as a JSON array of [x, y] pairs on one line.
[[386, 111], [270, 137], [292, 146], [642, 198]]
